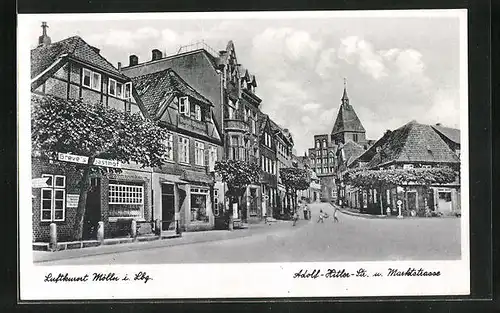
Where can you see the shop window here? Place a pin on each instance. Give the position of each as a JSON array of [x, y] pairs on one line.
[[53, 198], [126, 199], [199, 198]]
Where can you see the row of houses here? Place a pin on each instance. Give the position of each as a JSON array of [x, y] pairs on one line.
[[208, 103], [410, 146]]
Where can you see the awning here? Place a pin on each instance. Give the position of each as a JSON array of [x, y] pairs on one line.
[[164, 178], [197, 177]]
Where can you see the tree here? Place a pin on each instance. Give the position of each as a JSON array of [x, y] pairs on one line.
[[96, 131], [237, 175], [295, 179]]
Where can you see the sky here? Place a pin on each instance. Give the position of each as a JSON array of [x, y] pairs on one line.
[[397, 69]]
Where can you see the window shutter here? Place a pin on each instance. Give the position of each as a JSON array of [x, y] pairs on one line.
[[207, 155]]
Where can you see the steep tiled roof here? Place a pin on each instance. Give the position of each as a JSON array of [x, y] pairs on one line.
[[347, 120], [42, 57], [155, 88], [352, 151], [412, 142], [452, 134]]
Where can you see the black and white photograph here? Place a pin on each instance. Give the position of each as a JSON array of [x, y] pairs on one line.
[[243, 155]]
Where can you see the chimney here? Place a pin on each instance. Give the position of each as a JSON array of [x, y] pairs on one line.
[[156, 55], [97, 50], [438, 124], [133, 60], [44, 40], [119, 66]]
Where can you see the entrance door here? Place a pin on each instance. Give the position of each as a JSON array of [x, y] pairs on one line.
[[444, 201], [92, 210], [412, 200], [167, 207]]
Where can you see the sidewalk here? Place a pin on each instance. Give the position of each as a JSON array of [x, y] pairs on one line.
[[352, 212], [187, 238]]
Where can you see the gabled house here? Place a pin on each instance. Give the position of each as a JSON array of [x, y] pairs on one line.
[[411, 146], [284, 146], [268, 164], [450, 135], [184, 187], [347, 154], [73, 69]]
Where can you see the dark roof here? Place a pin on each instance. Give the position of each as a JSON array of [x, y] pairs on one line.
[[352, 151], [412, 142], [44, 56], [347, 120], [157, 87], [452, 134]]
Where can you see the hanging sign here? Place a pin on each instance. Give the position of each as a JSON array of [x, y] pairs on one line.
[[107, 163], [73, 158], [40, 182]]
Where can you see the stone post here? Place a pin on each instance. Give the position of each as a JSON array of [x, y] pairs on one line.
[[100, 232], [53, 237], [133, 229], [158, 226]]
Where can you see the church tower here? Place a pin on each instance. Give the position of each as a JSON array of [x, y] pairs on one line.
[[347, 125]]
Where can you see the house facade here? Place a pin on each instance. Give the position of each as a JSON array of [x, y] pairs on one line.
[[72, 69], [268, 162], [284, 158], [183, 189], [412, 146]]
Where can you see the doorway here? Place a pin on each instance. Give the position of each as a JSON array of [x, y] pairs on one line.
[[444, 201], [92, 210], [411, 198], [167, 207]]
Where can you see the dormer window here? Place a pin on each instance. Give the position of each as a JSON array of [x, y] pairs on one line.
[[197, 112], [184, 105], [119, 90], [112, 87]]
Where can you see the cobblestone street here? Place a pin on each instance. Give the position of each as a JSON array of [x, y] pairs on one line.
[[352, 239]]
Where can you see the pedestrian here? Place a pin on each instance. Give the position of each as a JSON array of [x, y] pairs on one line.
[[305, 212], [321, 216], [335, 218], [295, 218]]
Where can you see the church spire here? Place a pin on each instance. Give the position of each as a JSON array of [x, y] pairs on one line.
[[345, 98]]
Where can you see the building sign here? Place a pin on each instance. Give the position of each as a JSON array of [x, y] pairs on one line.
[[72, 200], [40, 182], [107, 163], [73, 158]]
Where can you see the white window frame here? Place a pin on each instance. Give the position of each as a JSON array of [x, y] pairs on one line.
[[53, 188], [199, 153], [129, 87], [183, 149], [110, 81], [86, 70], [126, 194], [212, 157], [197, 112], [407, 166], [98, 87], [426, 166], [169, 143], [184, 106], [119, 87]]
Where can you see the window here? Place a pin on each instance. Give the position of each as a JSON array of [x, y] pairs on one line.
[[355, 137], [112, 87], [324, 143], [262, 166], [128, 91], [212, 157], [407, 166], [199, 153], [169, 143], [184, 106], [183, 150], [119, 91], [53, 198], [253, 127], [87, 78], [199, 198], [126, 194], [197, 112], [317, 144], [426, 166], [96, 81]]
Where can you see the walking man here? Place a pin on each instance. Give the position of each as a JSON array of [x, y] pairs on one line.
[[321, 217], [295, 218], [335, 219]]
